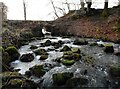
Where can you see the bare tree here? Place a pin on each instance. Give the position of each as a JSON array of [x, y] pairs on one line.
[[89, 3], [24, 7], [54, 8]]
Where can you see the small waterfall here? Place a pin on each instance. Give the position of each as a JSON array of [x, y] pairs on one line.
[[45, 32]]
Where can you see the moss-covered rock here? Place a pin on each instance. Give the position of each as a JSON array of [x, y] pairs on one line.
[[93, 44], [33, 47], [80, 42], [27, 57], [13, 53], [67, 62], [73, 56], [65, 48], [14, 80], [47, 43], [40, 52], [89, 59], [108, 48], [61, 78], [75, 50], [114, 70], [43, 57], [73, 82], [37, 70]]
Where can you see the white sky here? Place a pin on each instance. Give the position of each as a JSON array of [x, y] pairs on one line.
[[41, 9]]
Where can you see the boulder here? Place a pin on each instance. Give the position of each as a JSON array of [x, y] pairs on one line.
[[73, 82], [108, 48], [61, 78], [15, 80], [47, 43], [40, 52], [37, 70], [27, 57], [80, 42], [43, 57], [65, 48], [13, 53], [67, 62], [33, 47]]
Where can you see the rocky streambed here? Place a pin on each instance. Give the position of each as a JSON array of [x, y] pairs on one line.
[[70, 62]]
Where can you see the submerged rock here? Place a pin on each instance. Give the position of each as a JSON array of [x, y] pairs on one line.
[[114, 71], [117, 53], [37, 70], [80, 42], [61, 78], [27, 57], [65, 48], [108, 48], [88, 59], [13, 53]]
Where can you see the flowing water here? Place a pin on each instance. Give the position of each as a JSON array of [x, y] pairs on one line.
[[96, 75]]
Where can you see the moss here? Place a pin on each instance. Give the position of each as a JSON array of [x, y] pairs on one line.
[[40, 52], [33, 47], [73, 82], [8, 75], [108, 48], [43, 57], [61, 78], [114, 71], [47, 43], [2, 49], [37, 70], [89, 59], [75, 50], [67, 62], [80, 42], [93, 44], [13, 53], [65, 48], [15, 83]]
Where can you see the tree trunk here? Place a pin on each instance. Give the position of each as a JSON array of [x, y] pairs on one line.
[[105, 11], [24, 6]]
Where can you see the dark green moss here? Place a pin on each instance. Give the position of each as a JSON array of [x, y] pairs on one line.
[[67, 62], [43, 57], [73, 82], [65, 48], [40, 52], [13, 53], [61, 78], [37, 70]]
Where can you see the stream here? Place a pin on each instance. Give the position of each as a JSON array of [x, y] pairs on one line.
[[97, 73]]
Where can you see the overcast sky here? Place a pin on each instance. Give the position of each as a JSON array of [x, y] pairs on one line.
[[42, 9]]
